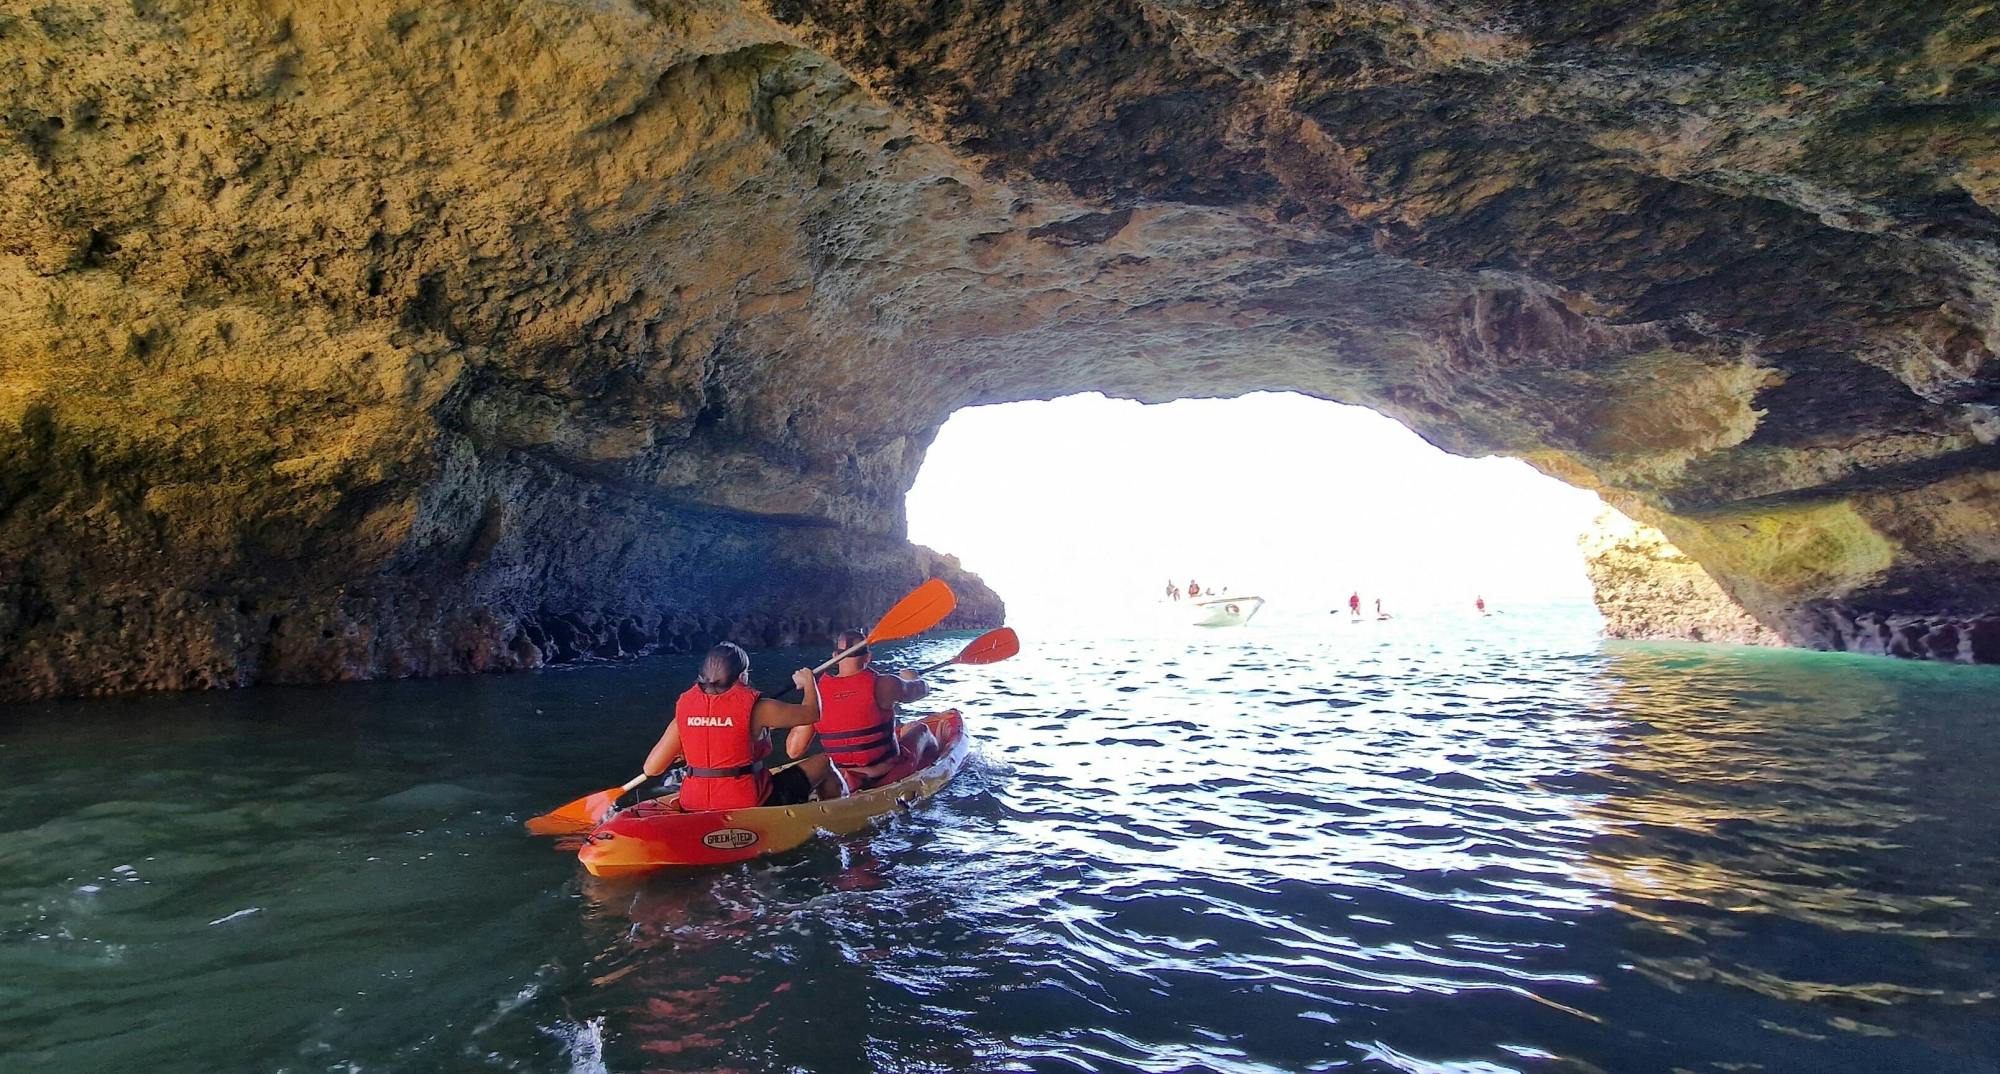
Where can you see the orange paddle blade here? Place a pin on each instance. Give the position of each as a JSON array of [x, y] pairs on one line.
[[990, 648], [924, 608], [577, 817]]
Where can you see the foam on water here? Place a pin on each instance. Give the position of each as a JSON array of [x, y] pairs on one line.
[[1435, 844]]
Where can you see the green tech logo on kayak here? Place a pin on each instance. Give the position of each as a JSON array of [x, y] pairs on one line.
[[730, 838]]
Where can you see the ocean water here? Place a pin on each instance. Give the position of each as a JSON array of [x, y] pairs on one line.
[[1436, 844]]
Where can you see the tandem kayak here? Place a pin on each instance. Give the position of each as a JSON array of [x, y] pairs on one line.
[[658, 835]]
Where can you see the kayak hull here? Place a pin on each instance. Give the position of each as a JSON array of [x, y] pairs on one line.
[[656, 835]]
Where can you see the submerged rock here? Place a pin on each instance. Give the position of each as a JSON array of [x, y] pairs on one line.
[[390, 340], [433, 798]]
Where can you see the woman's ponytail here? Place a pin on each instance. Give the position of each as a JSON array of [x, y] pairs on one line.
[[723, 667]]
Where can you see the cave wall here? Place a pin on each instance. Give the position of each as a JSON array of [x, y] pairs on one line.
[[379, 338], [1649, 590]]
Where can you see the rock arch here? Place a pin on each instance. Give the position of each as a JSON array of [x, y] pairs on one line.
[[389, 340]]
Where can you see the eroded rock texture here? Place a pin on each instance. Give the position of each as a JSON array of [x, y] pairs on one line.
[[1649, 590], [378, 338]]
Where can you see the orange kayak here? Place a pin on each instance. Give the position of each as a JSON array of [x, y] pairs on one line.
[[658, 835]]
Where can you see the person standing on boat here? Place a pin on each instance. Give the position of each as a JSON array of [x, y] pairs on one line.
[[1194, 589], [857, 724], [1173, 591], [723, 727]]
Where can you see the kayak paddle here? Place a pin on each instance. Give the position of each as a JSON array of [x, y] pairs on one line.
[[989, 648], [924, 607], [578, 816]]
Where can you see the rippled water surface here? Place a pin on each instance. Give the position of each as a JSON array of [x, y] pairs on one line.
[[1451, 844]]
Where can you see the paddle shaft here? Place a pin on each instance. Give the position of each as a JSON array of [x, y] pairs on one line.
[[939, 666], [838, 657], [988, 656]]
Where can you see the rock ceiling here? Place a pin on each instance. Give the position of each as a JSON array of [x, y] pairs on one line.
[[360, 339]]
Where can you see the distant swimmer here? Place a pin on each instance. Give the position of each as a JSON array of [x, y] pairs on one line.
[[1354, 605], [1194, 589]]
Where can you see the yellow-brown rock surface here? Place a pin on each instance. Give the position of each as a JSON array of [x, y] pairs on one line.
[[367, 338], [1649, 590]]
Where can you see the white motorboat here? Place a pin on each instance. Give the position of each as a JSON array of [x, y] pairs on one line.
[[1225, 611]]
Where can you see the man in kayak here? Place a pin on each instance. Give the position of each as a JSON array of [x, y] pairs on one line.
[[857, 724], [723, 728]]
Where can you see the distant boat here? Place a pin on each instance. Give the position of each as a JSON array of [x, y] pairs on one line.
[[1226, 611]]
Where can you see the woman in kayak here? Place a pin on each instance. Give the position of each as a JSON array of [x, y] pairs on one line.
[[723, 727], [857, 724]]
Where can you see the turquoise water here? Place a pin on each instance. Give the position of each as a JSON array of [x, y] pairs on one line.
[[1439, 844]]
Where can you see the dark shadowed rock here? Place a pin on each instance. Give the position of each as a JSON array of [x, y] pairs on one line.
[[379, 339]]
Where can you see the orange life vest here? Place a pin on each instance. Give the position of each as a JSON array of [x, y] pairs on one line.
[[856, 731], [725, 755]]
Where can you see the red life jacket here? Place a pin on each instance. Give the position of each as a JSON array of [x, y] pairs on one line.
[[725, 755], [856, 731]]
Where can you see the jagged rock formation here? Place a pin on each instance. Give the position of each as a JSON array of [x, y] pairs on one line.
[[1649, 590], [374, 338]]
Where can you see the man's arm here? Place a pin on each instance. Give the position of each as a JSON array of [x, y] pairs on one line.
[[771, 714], [906, 686]]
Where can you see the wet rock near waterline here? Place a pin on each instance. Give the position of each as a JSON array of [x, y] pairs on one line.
[[1648, 590], [1972, 638], [177, 640], [346, 341]]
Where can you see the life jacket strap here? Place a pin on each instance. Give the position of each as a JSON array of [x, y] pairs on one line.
[[862, 748], [856, 736], [734, 772], [850, 760]]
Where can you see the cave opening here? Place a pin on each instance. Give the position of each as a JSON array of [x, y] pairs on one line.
[[1079, 511]]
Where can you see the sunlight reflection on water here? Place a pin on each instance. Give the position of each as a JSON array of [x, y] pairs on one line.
[[1420, 847]]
